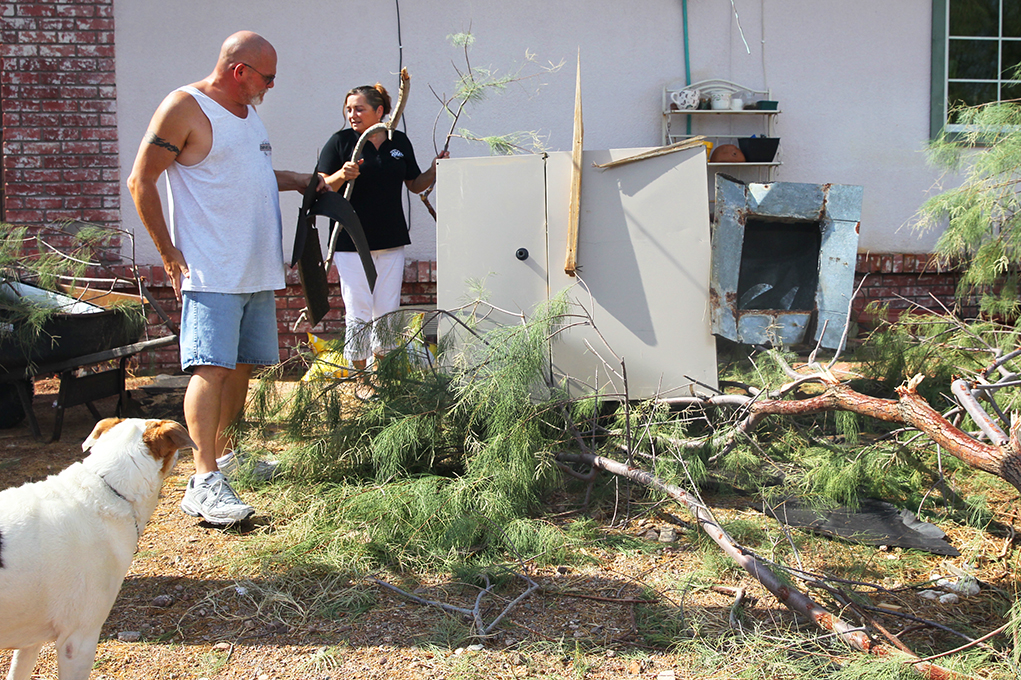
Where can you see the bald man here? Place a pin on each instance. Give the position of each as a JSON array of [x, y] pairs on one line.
[[222, 249]]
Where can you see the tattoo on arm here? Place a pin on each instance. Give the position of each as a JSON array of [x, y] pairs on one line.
[[153, 138]]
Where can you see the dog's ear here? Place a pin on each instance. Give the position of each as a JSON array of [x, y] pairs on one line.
[[97, 432], [164, 437]]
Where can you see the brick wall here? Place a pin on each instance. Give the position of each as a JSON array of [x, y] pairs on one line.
[[60, 151], [906, 282], [901, 281], [2, 218]]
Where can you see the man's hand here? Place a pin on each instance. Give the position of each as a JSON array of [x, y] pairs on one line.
[[176, 268], [297, 181]]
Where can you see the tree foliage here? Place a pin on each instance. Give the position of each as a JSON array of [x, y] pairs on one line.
[[457, 460], [475, 84], [981, 216], [457, 456]]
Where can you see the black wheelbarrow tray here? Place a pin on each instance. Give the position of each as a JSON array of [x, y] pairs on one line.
[[75, 334]]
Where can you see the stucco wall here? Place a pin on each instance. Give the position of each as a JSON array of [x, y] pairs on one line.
[[852, 79]]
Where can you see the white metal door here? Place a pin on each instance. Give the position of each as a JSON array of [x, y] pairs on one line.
[[643, 252], [488, 210], [643, 257]]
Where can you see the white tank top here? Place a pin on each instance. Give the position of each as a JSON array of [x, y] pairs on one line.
[[225, 209]]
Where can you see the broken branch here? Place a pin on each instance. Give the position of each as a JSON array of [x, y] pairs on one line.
[[791, 597], [909, 409]]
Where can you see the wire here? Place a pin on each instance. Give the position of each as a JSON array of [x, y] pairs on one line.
[[739, 29], [404, 119], [762, 37]]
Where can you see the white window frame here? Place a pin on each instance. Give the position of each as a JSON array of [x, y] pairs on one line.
[[940, 67]]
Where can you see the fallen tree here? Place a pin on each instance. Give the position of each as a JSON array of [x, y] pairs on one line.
[[1002, 457], [462, 457]]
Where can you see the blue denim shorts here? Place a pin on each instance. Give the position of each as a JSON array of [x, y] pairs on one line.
[[227, 329]]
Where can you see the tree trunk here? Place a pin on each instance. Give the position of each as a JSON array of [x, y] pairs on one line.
[[910, 409]]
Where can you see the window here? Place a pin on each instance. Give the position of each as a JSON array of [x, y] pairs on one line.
[[976, 46]]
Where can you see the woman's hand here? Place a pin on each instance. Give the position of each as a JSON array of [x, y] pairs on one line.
[[441, 154], [347, 172], [427, 178], [350, 170]]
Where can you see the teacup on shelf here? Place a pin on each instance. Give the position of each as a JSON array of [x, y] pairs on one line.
[[685, 99], [721, 101]]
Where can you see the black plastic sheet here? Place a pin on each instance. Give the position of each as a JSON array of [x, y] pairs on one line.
[[875, 522], [307, 253]]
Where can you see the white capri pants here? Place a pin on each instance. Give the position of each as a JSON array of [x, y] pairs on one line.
[[363, 335]]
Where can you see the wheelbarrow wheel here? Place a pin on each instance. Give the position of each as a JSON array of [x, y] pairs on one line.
[[12, 413]]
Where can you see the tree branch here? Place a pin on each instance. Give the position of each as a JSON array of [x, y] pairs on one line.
[[791, 597]]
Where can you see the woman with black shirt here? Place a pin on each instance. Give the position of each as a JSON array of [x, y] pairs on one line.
[[387, 165]]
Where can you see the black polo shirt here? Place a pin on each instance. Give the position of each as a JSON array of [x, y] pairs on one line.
[[377, 196]]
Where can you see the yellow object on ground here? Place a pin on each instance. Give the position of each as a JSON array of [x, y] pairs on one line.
[[329, 363]]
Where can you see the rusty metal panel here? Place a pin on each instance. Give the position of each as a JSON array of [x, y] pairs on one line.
[[731, 201], [783, 257], [837, 260], [785, 200]]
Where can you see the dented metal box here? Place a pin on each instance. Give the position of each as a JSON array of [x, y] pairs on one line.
[[783, 258]]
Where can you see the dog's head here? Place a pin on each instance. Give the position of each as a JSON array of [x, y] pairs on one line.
[[137, 452]]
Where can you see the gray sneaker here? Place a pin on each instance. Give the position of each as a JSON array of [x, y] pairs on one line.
[[214, 501], [240, 465]]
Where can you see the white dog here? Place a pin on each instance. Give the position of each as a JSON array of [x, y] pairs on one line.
[[67, 542]]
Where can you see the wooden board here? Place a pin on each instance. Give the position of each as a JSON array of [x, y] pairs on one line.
[[575, 198]]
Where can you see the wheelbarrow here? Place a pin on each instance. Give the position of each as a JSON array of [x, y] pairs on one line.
[[75, 335]]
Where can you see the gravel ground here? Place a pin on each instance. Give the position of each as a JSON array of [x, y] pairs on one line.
[[192, 607]]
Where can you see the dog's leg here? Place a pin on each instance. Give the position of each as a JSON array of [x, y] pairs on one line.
[[76, 654], [23, 662]]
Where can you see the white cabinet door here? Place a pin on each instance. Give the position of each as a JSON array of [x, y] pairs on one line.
[[489, 209], [643, 255]]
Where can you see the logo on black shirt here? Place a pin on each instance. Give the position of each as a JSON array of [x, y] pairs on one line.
[[396, 153]]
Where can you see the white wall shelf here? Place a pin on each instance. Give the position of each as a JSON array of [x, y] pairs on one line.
[[720, 126]]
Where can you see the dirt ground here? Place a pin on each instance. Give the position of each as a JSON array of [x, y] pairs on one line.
[[186, 609]]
